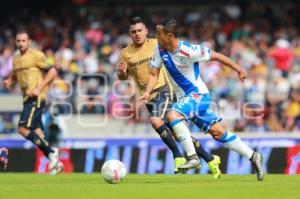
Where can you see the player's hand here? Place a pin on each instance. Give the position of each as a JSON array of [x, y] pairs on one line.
[[4, 158], [34, 93], [122, 66], [145, 97], [242, 74], [8, 83]]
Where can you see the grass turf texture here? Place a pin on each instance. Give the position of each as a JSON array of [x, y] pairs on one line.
[[77, 186]]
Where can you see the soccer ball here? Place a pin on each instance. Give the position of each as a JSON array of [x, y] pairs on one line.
[[113, 171]]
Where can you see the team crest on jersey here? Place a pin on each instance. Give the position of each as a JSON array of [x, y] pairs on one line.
[[183, 62], [194, 48]]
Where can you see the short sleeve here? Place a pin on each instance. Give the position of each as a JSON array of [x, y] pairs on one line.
[[200, 53], [41, 61], [156, 61], [122, 57]]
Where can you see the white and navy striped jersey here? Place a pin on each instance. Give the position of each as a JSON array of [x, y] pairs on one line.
[[183, 66]]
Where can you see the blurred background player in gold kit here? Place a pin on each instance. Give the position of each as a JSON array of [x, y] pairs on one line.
[[33, 75]]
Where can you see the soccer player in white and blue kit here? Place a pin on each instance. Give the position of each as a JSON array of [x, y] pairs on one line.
[[182, 61]]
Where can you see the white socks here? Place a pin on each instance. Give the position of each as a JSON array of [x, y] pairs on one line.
[[184, 136], [230, 140], [233, 142]]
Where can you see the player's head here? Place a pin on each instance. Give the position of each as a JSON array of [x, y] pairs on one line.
[[22, 41], [138, 31], [167, 31]]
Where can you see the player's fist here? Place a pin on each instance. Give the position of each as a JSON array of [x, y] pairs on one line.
[[242, 74], [122, 66], [34, 93], [145, 97], [8, 83]]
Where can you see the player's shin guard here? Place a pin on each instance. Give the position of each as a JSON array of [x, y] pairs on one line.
[[201, 152], [166, 135], [233, 142], [184, 136], [39, 142]]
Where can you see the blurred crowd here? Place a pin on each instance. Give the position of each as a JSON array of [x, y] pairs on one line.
[[85, 43]]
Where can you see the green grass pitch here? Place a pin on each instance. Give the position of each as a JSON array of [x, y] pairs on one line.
[[86, 186]]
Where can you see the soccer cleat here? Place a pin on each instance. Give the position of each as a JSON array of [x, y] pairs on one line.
[[214, 167], [53, 159], [256, 162], [57, 169], [178, 162], [192, 162]]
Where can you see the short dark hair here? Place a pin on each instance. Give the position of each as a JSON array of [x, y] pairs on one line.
[[136, 20], [23, 32], [170, 26]]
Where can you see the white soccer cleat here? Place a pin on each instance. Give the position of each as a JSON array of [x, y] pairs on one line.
[[191, 162], [57, 169], [257, 162], [53, 159]]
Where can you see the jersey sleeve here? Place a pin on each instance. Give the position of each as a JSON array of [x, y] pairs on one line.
[[156, 61], [41, 61], [200, 53], [122, 57]]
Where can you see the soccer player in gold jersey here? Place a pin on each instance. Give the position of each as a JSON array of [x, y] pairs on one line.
[[33, 75], [134, 62]]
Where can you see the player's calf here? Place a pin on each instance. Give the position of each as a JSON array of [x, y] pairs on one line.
[[41, 143]]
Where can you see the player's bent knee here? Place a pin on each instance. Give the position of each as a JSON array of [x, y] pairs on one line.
[[216, 131], [156, 122], [215, 135], [173, 115], [23, 131]]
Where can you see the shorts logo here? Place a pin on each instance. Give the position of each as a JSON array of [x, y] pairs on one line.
[[197, 97]]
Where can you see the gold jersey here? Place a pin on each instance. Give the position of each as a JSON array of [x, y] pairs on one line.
[[138, 61], [28, 71]]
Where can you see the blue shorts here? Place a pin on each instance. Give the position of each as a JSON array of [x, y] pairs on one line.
[[195, 107]]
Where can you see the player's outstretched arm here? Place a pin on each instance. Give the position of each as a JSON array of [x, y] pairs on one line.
[[50, 76], [153, 79], [228, 62]]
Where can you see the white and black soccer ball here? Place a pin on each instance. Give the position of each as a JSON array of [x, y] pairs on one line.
[[113, 171]]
